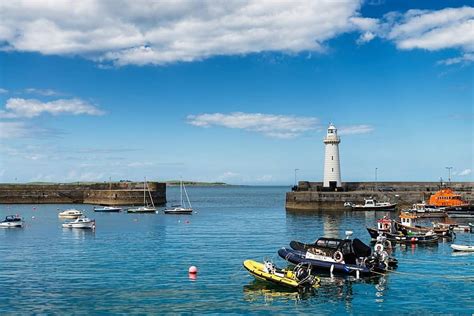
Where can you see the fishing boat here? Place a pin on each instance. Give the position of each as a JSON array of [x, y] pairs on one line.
[[409, 223], [81, 222], [462, 248], [372, 205], [109, 209], [296, 278], [386, 228], [70, 214], [12, 221], [344, 256], [146, 208], [182, 208]]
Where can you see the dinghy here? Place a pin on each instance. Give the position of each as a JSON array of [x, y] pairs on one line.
[[463, 248], [299, 277]]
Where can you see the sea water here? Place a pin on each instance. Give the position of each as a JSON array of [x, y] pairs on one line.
[[138, 263]]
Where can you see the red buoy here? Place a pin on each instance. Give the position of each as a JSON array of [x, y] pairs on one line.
[[192, 270]]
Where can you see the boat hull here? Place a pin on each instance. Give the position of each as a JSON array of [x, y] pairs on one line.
[[107, 210], [401, 238], [11, 224], [462, 248], [284, 277], [182, 211], [441, 232], [296, 257], [89, 225]]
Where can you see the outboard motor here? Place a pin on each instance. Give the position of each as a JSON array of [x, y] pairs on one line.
[[303, 275]]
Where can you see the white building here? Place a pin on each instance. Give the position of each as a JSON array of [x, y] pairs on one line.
[[332, 167]]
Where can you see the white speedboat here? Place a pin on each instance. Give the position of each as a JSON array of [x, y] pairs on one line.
[[146, 208], [81, 222], [462, 248], [70, 214], [107, 209], [182, 208], [12, 221]]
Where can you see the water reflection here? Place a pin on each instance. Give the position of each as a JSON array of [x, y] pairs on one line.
[[268, 293], [78, 234]]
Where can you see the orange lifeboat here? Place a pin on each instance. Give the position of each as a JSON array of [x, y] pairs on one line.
[[445, 198]]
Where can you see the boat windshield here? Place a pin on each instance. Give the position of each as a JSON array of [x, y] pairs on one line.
[[328, 243]]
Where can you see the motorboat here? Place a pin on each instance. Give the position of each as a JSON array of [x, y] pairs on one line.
[[386, 228], [344, 256], [70, 214], [147, 207], [409, 223], [371, 205], [462, 248], [446, 197], [12, 221], [107, 209], [81, 222], [296, 278], [183, 207]]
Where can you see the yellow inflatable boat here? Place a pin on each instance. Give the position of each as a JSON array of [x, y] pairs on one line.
[[299, 277]]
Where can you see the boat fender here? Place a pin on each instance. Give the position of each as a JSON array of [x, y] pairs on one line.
[[378, 247], [338, 257]]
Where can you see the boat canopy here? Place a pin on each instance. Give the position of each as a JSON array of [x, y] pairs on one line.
[[346, 246]]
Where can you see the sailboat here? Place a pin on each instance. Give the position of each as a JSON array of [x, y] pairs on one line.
[[181, 208], [146, 208]]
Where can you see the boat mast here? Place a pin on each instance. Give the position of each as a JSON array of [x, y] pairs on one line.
[[144, 199]]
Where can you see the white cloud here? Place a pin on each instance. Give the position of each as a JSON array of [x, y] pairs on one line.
[[157, 32], [355, 129], [3, 91], [434, 30], [277, 126], [18, 107], [465, 172], [228, 175], [43, 92], [464, 59], [365, 38]]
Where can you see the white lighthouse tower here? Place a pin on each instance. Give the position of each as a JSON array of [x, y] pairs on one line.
[[332, 167]]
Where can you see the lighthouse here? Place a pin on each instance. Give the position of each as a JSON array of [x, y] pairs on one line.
[[332, 167]]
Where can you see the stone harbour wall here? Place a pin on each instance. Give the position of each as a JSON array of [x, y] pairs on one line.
[[311, 195], [118, 193]]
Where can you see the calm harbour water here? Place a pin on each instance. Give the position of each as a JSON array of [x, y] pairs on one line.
[[137, 263]]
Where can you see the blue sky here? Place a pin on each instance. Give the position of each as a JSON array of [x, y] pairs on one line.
[[239, 92]]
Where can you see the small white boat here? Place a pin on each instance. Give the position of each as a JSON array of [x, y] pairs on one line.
[[146, 208], [81, 222], [182, 208], [372, 205], [107, 209], [70, 214], [462, 248], [142, 209], [12, 221]]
